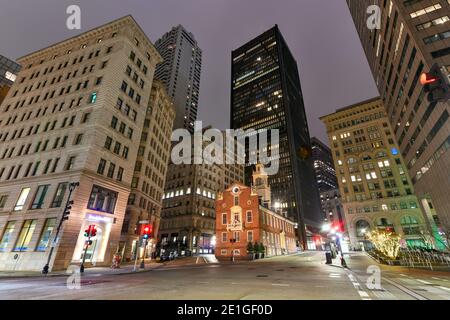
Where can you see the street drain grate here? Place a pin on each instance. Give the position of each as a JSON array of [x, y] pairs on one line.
[[262, 276], [279, 270], [420, 290]]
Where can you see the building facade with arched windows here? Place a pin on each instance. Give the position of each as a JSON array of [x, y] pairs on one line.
[[377, 192]]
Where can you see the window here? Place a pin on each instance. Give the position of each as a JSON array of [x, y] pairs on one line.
[[101, 166], [224, 236], [44, 240], [236, 200], [119, 174], [249, 217], [39, 197], [7, 235], [93, 97], [59, 195], [3, 199], [124, 86], [426, 10], [102, 199], [117, 147], [224, 218], [25, 235], [22, 199], [108, 143], [111, 169], [250, 236], [113, 122], [78, 139], [70, 163]]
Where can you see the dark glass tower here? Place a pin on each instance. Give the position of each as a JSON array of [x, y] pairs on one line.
[[323, 166], [266, 94]]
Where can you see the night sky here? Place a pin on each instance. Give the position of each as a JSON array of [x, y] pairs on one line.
[[320, 33]]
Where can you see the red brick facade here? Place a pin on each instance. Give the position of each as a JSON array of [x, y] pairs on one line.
[[239, 204]]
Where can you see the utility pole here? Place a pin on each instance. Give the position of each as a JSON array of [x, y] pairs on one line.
[[64, 217]]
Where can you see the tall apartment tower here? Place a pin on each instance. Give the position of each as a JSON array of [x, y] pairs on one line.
[[377, 192], [266, 94], [74, 114], [323, 166], [147, 185], [180, 72], [8, 74], [188, 215], [414, 35]]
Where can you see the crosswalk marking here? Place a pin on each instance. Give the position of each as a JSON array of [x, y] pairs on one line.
[[444, 288], [423, 281]]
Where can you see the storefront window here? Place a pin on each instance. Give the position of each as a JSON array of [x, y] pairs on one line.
[[7, 235], [25, 235], [102, 199], [46, 233]]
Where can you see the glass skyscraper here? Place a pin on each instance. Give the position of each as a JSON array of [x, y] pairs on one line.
[[266, 94]]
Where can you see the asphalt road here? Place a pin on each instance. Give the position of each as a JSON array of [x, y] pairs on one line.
[[304, 276]]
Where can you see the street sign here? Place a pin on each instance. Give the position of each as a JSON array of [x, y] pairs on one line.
[[144, 221]]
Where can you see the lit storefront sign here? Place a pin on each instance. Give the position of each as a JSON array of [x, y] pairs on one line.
[[98, 218]]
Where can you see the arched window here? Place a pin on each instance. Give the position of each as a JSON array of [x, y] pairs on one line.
[[410, 225], [362, 226]]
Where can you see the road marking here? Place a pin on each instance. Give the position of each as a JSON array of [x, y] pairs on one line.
[[363, 294], [423, 281], [436, 278], [280, 284], [444, 288], [334, 275]]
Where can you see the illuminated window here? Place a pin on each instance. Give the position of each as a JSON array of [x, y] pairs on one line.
[[46, 234], [25, 235], [426, 10], [93, 97], [22, 198], [7, 235]]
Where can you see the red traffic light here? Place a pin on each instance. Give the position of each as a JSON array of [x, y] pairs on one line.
[[426, 78], [91, 231], [146, 230]]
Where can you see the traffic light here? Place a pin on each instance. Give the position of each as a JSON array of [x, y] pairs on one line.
[[67, 210], [436, 83], [146, 231], [91, 231]]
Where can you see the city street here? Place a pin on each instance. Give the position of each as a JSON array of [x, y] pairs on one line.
[[303, 276]]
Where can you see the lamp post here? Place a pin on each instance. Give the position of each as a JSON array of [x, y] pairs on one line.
[[64, 216]]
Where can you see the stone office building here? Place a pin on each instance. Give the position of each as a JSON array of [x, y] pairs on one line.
[[188, 215], [147, 185], [377, 192], [414, 35], [74, 114]]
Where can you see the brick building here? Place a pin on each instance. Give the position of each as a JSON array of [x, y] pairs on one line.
[[243, 214]]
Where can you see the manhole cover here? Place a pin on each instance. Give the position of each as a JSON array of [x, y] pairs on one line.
[[262, 276], [279, 270], [420, 290]]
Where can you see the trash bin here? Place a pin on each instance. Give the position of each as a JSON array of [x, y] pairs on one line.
[[328, 257]]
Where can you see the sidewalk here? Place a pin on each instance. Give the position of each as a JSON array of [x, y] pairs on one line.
[[94, 271]]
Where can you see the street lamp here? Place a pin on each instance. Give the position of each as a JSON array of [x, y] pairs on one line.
[[64, 216]]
